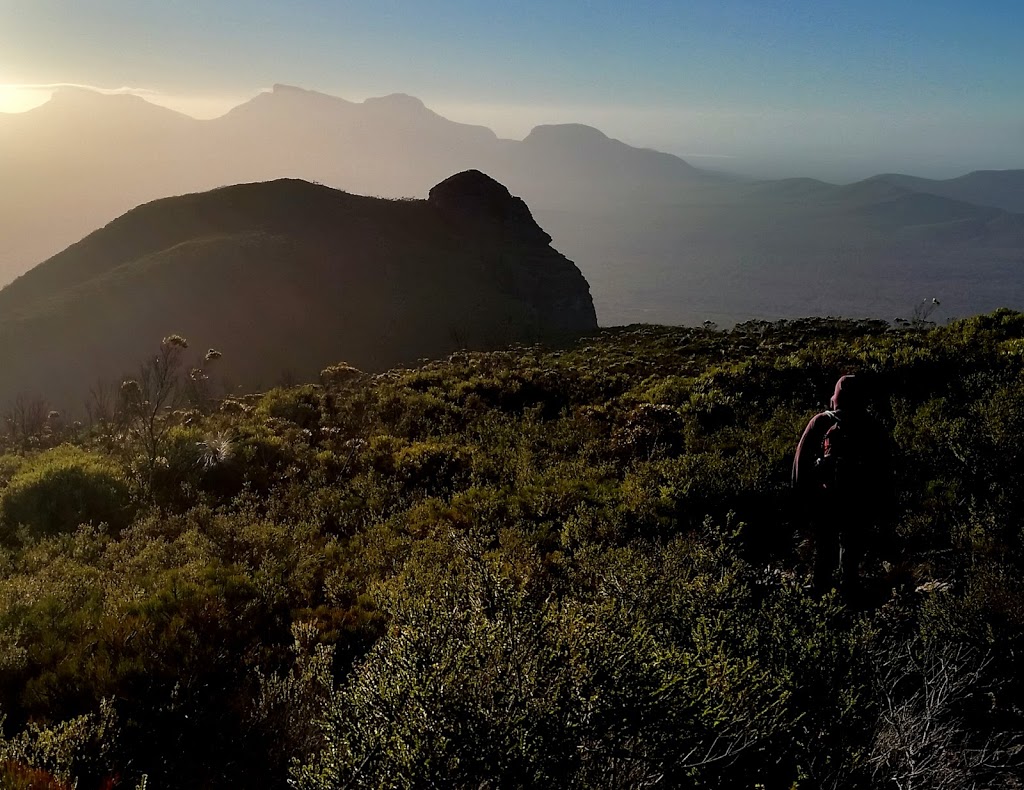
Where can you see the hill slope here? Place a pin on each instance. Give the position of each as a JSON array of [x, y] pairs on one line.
[[287, 277]]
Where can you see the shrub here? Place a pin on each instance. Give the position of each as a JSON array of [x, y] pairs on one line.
[[479, 681], [51, 758], [9, 467], [60, 489], [298, 405]]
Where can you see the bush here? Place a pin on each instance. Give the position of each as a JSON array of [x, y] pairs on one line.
[[299, 405], [479, 681], [60, 489]]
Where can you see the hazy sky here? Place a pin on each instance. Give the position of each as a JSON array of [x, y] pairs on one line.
[[806, 87]]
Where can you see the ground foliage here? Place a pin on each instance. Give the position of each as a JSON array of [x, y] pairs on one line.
[[577, 566]]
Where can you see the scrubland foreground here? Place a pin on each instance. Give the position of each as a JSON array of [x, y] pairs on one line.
[[575, 567]]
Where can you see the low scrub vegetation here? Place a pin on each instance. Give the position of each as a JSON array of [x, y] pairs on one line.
[[577, 566]]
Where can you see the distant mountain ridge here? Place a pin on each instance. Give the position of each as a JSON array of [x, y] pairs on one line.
[[286, 278], [1002, 189], [657, 238]]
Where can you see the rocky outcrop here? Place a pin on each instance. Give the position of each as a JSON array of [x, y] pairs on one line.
[[518, 251], [481, 203]]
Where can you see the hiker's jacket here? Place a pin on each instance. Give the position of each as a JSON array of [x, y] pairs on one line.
[[848, 406]]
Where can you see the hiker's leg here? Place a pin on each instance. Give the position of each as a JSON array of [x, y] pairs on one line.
[[826, 558], [851, 558]]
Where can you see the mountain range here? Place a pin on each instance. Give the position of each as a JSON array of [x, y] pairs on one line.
[[658, 239]]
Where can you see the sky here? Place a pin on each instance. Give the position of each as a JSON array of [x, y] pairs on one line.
[[837, 90]]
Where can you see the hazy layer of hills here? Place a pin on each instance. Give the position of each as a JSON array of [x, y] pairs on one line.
[[286, 278], [1000, 188], [658, 239]]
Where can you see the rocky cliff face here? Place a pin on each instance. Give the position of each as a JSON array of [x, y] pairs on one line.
[[286, 278], [517, 251]]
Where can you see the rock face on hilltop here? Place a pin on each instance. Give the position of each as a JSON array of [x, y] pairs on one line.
[[286, 278], [485, 205], [520, 259]]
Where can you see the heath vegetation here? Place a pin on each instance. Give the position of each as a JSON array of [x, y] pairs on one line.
[[576, 566]]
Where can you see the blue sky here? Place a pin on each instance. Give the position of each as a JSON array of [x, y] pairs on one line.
[[757, 81]]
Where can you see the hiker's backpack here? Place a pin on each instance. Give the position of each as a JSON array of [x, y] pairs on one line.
[[841, 464]]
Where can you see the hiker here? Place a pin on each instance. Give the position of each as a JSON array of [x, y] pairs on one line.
[[841, 477]]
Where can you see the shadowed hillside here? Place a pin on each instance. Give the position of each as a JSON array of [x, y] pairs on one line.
[[286, 277]]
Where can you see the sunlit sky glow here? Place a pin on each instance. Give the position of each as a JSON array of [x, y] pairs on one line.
[[805, 87]]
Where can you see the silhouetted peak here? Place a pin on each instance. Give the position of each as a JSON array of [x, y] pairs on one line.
[[566, 134], [101, 108], [476, 197], [292, 101], [81, 95], [594, 151], [289, 89], [401, 101], [300, 96], [471, 186]]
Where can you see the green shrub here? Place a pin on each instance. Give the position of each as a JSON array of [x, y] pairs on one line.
[[60, 489], [298, 405], [9, 467], [51, 758]]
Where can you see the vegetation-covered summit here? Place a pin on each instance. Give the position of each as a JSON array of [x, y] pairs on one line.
[[573, 566], [285, 277]]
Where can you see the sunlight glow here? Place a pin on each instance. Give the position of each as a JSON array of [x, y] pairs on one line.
[[18, 98], [15, 98]]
